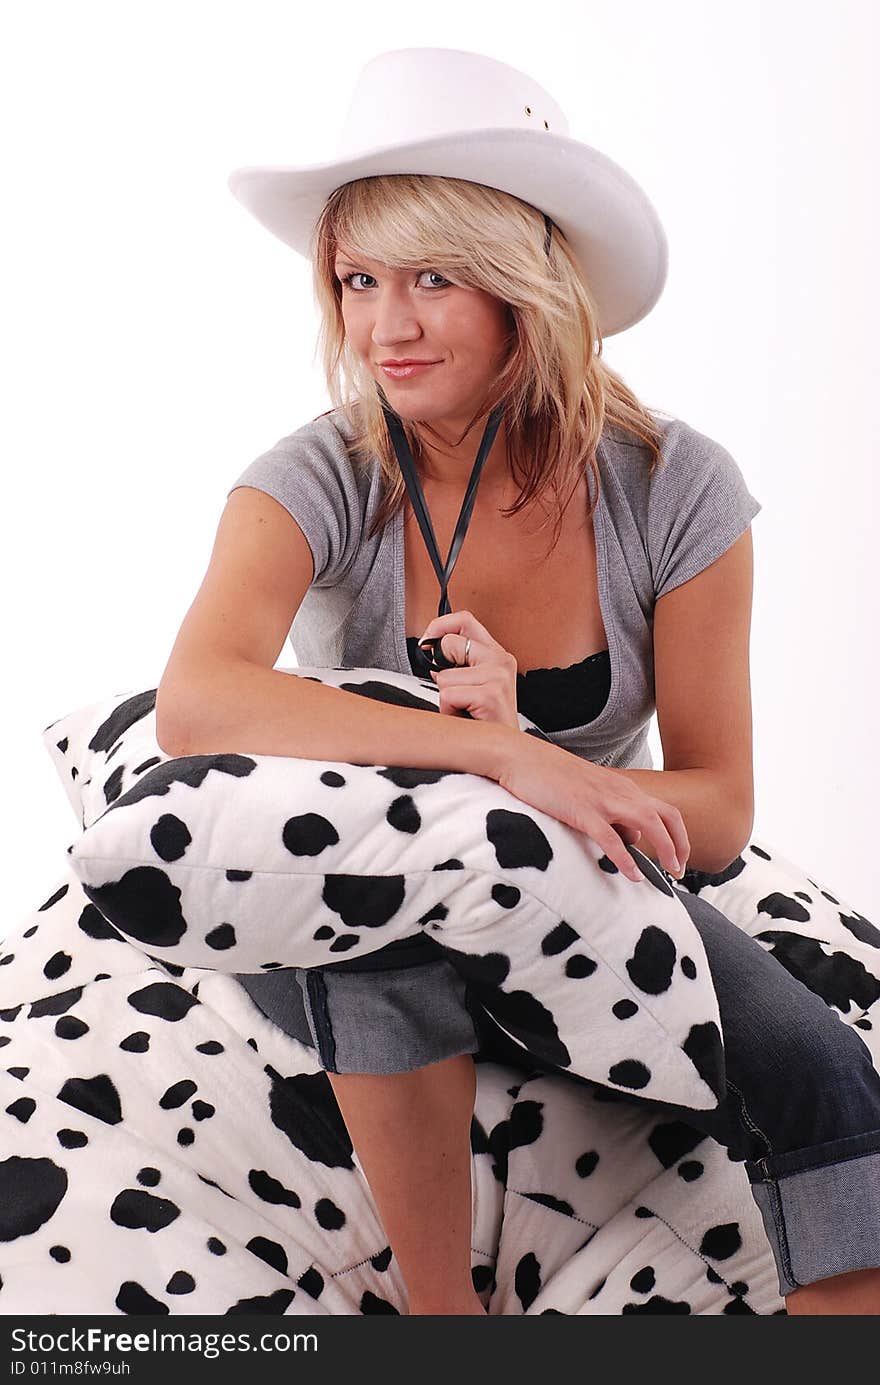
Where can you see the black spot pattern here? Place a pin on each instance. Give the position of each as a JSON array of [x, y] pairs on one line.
[[270, 1252], [527, 1280], [170, 837], [309, 835], [96, 1096], [558, 939], [671, 1140], [177, 1094], [221, 937], [624, 1009], [165, 1001], [364, 901], [840, 980], [650, 967], [328, 1215], [518, 841], [31, 1190], [630, 1073], [180, 1283], [137, 1209], [704, 1048], [134, 1298], [128, 1044], [720, 1242]]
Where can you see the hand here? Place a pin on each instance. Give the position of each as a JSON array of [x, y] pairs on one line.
[[485, 687], [607, 807]]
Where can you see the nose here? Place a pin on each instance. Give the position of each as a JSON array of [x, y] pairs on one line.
[[395, 318]]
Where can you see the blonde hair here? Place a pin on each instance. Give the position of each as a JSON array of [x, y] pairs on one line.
[[558, 393]]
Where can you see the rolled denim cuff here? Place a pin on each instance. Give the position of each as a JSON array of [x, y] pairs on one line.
[[821, 1209], [405, 1018]]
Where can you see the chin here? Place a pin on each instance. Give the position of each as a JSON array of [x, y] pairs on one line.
[[423, 404], [419, 401]]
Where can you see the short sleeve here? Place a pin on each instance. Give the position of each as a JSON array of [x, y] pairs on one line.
[[698, 505], [310, 473]]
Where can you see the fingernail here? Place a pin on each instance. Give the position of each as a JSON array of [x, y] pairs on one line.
[[675, 866]]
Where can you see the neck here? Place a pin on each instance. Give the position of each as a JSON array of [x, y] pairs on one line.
[[447, 462]]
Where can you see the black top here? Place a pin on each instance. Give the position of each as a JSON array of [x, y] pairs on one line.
[[556, 699]]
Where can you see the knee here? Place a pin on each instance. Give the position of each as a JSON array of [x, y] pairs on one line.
[[813, 1045], [822, 1069]]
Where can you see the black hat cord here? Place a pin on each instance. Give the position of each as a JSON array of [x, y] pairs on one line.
[[436, 658], [417, 499]]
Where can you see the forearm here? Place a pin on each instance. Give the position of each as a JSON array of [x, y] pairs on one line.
[[234, 706], [716, 828]]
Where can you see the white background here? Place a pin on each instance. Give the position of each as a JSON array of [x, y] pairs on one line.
[[156, 338]]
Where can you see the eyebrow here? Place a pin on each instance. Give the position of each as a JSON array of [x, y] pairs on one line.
[[341, 261]]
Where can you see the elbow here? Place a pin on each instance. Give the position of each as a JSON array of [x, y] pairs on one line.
[[169, 736], [170, 745], [744, 835], [729, 851]]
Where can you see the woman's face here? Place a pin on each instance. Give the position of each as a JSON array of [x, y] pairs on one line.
[[408, 314]]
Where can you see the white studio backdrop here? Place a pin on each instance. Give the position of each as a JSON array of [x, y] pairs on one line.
[[156, 338]]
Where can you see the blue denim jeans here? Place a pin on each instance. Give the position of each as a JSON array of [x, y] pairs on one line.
[[802, 1110]]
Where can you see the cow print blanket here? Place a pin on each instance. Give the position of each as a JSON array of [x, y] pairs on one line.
[[168, 1150]]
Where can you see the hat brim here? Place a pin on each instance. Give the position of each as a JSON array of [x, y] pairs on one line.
[[607, 218]]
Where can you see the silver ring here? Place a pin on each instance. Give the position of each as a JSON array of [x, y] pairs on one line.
[[467, 650]]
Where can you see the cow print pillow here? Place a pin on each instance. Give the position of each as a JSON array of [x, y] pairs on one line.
[[246, 863]]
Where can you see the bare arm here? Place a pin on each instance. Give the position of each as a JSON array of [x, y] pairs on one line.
[[220, 693], [236, 705], [715, 830], [704, 710]]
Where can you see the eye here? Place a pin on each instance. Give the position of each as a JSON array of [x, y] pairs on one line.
[[348, 279], [356, 274]]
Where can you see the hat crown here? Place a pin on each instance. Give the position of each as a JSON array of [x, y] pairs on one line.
[[411, 94], [448, 113]]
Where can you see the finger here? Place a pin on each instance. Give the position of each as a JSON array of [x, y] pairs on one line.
[[479, 658], [656, 831], [628, 818], [674, 828], [630, 835], [462, 623], [437, 658], [649, 813], [453, 623], [678, 831], [614, 848], [482, 700], [454, 647]]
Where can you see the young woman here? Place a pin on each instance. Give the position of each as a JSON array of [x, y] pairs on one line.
[[466, 280]]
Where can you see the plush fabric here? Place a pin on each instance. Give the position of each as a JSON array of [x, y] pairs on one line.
[[246, 863], [166, 1149]]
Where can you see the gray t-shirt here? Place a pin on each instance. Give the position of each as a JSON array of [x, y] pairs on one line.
[[652, 534]]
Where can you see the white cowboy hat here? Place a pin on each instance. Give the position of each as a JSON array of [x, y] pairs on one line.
[[462, 115]]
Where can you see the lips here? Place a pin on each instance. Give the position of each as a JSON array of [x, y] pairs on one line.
[[403, 372]]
